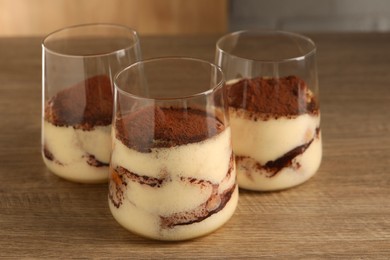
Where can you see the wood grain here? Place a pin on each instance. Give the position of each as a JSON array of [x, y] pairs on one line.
[[342, 213], [40, 17]]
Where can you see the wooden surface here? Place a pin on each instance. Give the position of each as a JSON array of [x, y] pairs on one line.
[[36, 17], [342, 212]]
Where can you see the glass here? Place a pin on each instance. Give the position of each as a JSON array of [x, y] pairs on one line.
[[78, 66], [273, 106], [172, 171]]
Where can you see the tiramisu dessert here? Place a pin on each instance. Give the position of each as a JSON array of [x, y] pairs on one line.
[[172, 173], [275, 132], [76, 131]]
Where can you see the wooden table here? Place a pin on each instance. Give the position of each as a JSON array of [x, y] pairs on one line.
[[342, 212]]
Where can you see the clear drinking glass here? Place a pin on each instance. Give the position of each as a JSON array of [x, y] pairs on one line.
[[172, 171], [273, 107], [78, 66]]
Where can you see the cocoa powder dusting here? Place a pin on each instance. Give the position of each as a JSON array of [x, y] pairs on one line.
[[273, 97], [84, 105], [157, 127]]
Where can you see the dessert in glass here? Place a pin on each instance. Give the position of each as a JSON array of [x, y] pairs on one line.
[[78, 66], [172, 170], [273, 106]]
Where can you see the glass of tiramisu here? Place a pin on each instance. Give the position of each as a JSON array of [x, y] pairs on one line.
[[274, 111], [78, 66], [172, 171]]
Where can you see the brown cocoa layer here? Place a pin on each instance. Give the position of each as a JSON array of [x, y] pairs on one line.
[[286, 160], [85, 105], [215, 203], [120, 177], [90, 159], [273, 97], [159, 127]]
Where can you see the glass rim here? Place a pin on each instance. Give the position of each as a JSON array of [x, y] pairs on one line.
[[211, 90], [265, 32], [133, 33]]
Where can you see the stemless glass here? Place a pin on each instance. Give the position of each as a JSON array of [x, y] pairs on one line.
[[78, 66], [172, 171], [273, 107]]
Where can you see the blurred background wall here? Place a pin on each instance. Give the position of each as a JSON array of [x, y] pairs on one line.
[[310, 15], [39, 17]]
